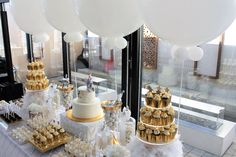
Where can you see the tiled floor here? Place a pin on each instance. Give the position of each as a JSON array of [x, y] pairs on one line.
[[190, 151]]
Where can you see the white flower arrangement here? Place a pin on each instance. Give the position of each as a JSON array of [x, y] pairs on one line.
[[116, 151]]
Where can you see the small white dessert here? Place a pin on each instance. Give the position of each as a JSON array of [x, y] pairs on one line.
[[87, 105]]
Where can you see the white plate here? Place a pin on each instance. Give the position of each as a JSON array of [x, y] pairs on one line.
[[158, 144]]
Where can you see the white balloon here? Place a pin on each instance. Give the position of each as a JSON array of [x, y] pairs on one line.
[[188, 22], [121, 43], [195, 53], [62, 15], [179, 53], [112, 43], [73, 37], [29, 16], [110, 18], [40, 38]]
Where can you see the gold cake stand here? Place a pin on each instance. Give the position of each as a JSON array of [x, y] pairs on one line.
[[83, 120]]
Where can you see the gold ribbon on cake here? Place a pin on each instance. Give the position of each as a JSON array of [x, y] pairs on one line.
[[93, 119]]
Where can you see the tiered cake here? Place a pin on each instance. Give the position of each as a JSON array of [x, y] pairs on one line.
[[157, 117], [36, 78], [87, 105]]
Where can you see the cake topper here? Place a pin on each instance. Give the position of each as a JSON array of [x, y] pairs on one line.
[[158, 89], [90, 86], [167, 89], [119, 96], [65, 81], [149, 88]]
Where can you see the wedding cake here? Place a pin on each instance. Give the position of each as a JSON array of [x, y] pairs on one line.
[[36, 78], [86, 105], [156, 123]]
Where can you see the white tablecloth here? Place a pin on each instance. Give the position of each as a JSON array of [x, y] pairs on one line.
[[9, 148]]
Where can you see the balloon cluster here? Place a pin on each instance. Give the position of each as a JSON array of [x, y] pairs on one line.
[[185, 23]]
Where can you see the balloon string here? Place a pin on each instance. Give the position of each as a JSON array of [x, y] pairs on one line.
[[180, 93], [75, 69]]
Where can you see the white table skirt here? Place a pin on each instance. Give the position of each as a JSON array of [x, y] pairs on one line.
[[9, 148]]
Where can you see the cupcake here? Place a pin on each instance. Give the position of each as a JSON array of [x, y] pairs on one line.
[[172, 133], [166, 136], [161, 129], [156, 118], [143, 111], [157, 136], [167, 127], [62, 132], [49, 138], [149, 96], [165, 99], [36, 66], [156, 101], [43, 141], [147, 117], [171, 114], [37, 141], [158, 91], [29, 66], [37, 87], [56, 135], [149, 135], [141, 129], [164, 117], [33, 86], [173, 125], [41, 66]]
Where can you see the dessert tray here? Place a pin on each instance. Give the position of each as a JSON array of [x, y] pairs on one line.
[[10, 118], [157, 144], [93, 119], [52, 145]]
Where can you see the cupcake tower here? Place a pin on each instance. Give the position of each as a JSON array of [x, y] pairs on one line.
[[157, 117], [36, 78]]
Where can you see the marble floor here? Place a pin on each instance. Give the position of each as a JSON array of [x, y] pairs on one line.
[[190, 151]]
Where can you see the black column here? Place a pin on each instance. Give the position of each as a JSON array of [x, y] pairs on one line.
[[125, 72], [6, 43], [136, 73], [132, 73], [29, 43], [66, 58]]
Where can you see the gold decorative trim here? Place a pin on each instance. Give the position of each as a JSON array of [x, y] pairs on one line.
[[159, 108], [157, 126], [83, 120], [66, 89], [159, 144], [115, 107]]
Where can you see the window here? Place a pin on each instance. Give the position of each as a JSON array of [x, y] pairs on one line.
[[217, 92], [90, 56]]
